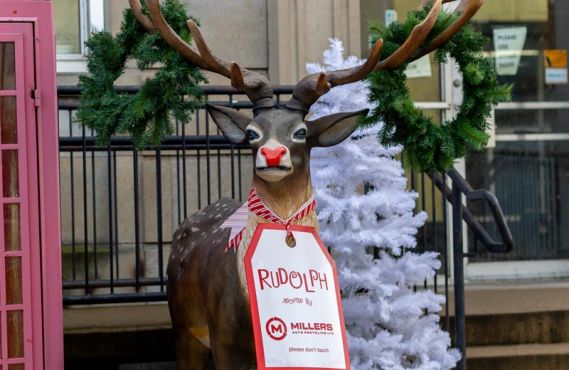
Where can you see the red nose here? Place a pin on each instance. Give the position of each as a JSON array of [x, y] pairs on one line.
[[273, 155]]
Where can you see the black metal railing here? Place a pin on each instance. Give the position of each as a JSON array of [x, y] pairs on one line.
[[460, 188], [120, 207]]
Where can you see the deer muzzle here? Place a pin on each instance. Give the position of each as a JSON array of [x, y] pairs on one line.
[[273, 156], [273, 162]]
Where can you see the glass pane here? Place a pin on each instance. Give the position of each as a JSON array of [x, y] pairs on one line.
[[15, 334], [423, 76], [13, 280], [12, 227], [524, 36], [532, 121], [10, 173], [423, 79], [8, 120], [16, 367], [531, 181], [67, 29], [7, 66]]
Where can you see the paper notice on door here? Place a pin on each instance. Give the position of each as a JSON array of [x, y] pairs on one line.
[[390, 17], [509, 43], [555, 66], [419, 68]]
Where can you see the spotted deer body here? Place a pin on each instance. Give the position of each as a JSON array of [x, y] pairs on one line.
[[207, 293]]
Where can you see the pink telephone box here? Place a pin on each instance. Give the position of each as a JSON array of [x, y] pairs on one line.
[[30, 268]]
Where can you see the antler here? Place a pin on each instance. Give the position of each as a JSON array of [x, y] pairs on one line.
[[310, 88], [255, 85], [467, 9]]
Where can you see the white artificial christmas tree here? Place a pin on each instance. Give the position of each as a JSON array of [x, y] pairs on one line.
[[363, 202]]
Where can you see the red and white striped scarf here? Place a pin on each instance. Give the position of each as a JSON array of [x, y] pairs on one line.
[[238, 221]]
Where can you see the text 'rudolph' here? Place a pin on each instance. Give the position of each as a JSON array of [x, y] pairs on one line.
[[309, 281]]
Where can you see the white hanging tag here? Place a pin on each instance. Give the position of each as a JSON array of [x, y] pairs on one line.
[[296, 306]]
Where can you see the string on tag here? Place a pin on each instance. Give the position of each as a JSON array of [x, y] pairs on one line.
[[256, 206]]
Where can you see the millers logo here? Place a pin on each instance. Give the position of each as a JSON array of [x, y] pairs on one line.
[[276, 328], [312, 326]]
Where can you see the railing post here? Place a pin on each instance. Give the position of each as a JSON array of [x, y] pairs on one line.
[[458, 255]]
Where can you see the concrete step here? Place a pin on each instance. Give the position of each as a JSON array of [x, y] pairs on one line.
[[506, 298], [109, 351], [109, 318], [520, 328], [156, 366], [149, 366], [512, 313], [519, 357]]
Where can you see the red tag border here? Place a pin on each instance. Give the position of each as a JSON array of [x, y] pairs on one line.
[[260, 353]]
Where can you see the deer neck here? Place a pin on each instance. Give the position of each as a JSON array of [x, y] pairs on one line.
[[285, 197]]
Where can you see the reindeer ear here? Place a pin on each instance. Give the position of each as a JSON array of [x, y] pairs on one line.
[[333, 129], [231, 122]]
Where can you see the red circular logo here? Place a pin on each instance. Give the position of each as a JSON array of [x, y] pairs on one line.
[[276, 328]]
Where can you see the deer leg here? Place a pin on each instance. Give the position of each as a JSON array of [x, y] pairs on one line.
[[191, 354], [228, 356], [232, 348]]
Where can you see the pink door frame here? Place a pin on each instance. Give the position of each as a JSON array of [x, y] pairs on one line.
[[21, 35], [42, 181]]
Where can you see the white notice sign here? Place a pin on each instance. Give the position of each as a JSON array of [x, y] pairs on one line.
[[556, 75], [295, 301], [509, 43], [419, 68], [390, 17]]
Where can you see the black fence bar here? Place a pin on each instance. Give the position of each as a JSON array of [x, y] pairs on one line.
[[445, 255], [458, 255], [116, 218], [434, 227], [113, 298], [198, 161], [137, 271], [111, 223], [123, 282], [94, 210], [159, 230], [123, 263], [118, 144]]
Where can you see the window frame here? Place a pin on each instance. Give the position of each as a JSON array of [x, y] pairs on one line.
[[91, 18]]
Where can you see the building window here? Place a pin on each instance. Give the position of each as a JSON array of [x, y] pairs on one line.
[[75, 20], [67, 27]]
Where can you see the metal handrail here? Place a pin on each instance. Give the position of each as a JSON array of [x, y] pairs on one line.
[[460, 187], [507, 240]]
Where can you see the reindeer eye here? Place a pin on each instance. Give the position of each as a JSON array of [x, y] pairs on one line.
[[300, 134], [253, 135]]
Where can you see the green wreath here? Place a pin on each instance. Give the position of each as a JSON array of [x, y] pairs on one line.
[[428, 146], [172, 92]]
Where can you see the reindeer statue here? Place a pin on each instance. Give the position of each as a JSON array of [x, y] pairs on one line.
[[207, 293]]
